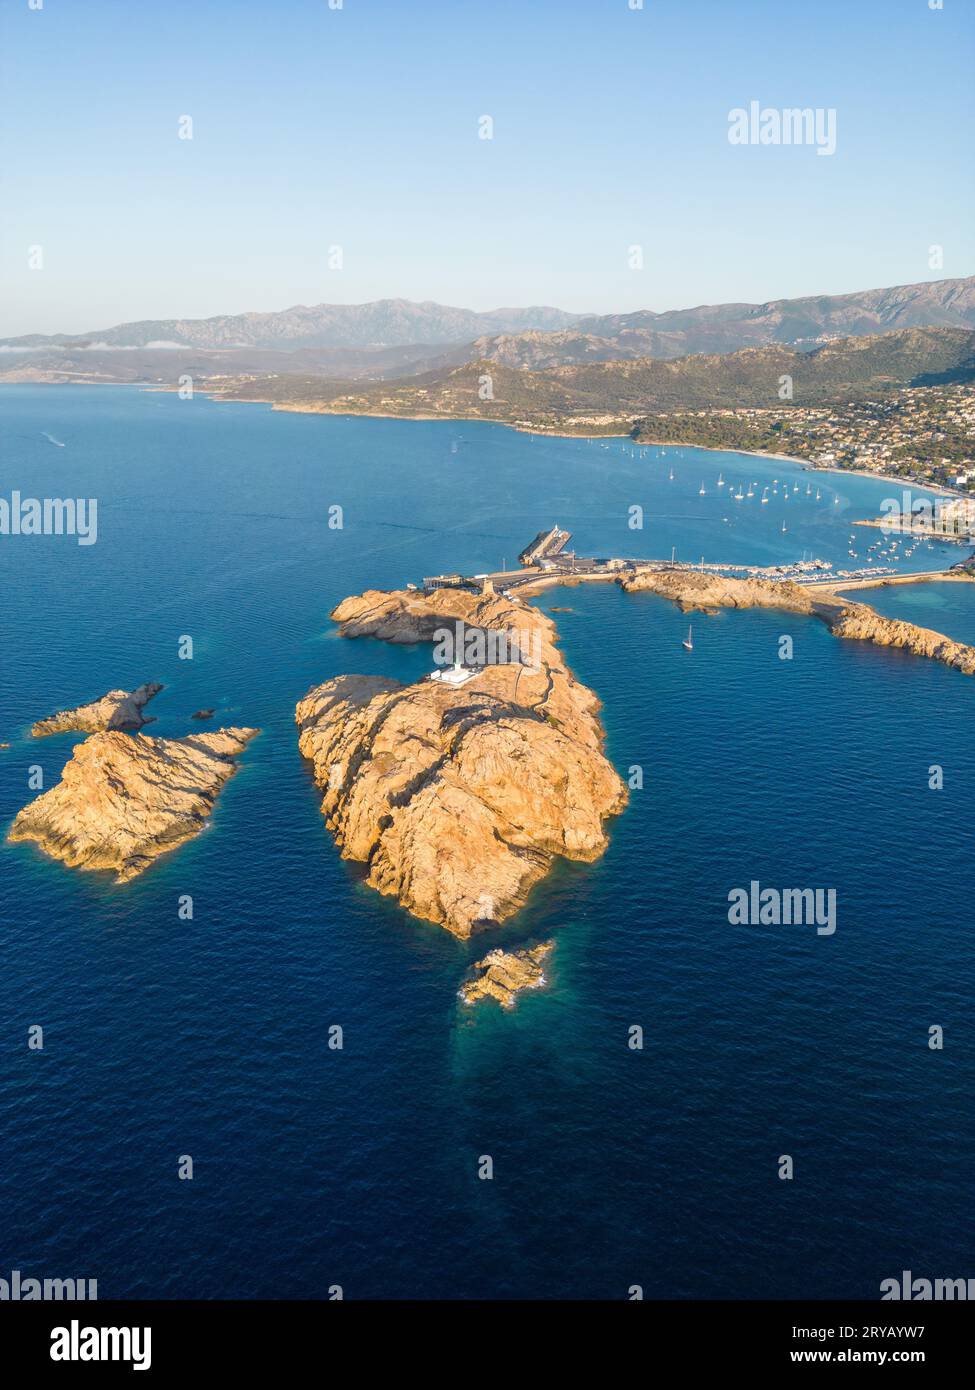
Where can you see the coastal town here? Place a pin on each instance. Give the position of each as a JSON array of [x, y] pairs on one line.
[[923, 434]]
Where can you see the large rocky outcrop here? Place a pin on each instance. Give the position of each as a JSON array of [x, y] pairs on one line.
[[119, 709], [698, 589], [459, 798], [502, 975], [486, 626], [860, 621], [123, 800], [693, 590]]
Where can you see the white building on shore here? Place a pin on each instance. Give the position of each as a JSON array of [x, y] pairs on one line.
[[452, 675]]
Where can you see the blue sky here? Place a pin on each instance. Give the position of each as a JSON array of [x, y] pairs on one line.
[[358, 127]]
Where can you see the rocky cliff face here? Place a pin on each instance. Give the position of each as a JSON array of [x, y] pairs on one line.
[[123, 800], [502, 975], [119, 709], [459, 799]]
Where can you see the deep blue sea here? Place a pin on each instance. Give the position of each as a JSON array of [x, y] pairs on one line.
[[613, 1167]]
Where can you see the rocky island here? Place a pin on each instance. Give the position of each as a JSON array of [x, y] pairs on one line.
[[118, 709], [125, 799], [502, 975], [458, 793]]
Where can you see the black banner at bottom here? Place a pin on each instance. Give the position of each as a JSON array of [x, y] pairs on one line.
[[168, 1338]]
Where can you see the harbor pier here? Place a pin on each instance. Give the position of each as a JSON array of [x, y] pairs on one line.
[[546, 561]]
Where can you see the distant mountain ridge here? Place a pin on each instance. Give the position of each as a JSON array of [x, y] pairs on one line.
[[392, 338], [722, 328], [381, 324]]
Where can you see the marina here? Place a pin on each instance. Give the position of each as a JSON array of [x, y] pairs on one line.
[[546, 561]]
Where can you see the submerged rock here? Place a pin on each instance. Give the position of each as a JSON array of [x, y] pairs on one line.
[[203, 714], [125, 799], [459, 798], [119, 709], [501, 975]]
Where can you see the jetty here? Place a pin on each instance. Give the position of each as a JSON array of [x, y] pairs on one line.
[[546, 546], [884, 581]]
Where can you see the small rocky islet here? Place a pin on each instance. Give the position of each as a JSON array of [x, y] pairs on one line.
[[118, 709], [502, 975]]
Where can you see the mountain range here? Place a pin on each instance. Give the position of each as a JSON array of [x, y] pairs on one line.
[[384, 323], [399, 338], [578, 396]]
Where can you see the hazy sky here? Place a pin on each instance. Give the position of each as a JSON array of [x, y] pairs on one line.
[[358, 127]]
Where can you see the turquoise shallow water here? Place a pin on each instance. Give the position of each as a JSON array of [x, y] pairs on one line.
[[612, 1167]]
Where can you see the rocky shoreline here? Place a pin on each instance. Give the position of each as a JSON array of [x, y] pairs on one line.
[[858, 621], [696, 589]]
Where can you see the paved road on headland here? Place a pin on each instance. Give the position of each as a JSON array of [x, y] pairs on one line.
[[841, 585]]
